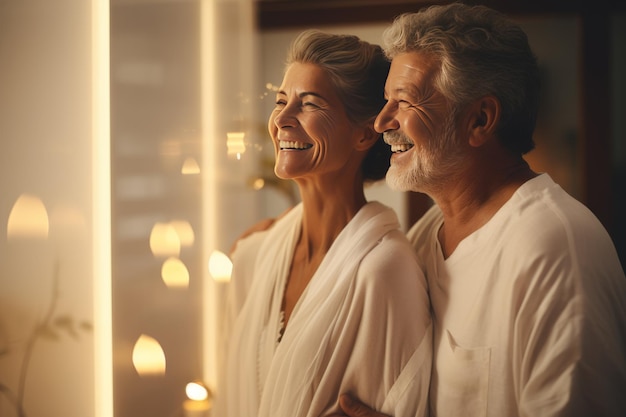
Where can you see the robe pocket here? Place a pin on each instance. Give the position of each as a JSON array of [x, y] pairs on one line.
[[463, 379]]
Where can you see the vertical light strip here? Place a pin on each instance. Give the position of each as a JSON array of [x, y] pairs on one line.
[[209, 184], [101, 162]]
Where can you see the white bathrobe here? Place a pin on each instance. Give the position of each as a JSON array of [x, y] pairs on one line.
[[362, 324], [529, 311]]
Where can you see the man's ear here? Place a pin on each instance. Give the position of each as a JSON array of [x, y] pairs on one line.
[[368, 138], [482, 121]]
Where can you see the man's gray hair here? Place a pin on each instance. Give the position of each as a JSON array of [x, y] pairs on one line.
[[481, 52]]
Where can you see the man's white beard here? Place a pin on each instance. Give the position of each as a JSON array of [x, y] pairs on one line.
[[404, 179], [429, 167]]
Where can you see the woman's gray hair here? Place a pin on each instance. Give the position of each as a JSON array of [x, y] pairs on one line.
[[481, 52], [358, 70]]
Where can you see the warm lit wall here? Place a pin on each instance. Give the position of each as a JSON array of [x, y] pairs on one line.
[[46, 239], [181, 75], [180, 79]]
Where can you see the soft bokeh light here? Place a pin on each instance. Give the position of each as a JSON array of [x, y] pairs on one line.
[[101, 203], [148, 356], [220, 266], [258, 183], [190, 166], [210, 160], [235, 144], [164, 240], [184, 231], [196, 391], [28, 218], [175, 273], [199, 400]]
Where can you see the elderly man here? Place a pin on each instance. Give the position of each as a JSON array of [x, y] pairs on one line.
[[527, 290]]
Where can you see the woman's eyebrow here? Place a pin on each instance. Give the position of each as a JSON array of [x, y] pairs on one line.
[[310, 93], [304, 94]]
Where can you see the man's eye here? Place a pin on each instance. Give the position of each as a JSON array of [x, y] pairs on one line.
[[403, 104], [309, 104]]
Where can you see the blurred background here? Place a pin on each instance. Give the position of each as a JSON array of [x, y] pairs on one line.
[[133, 152]]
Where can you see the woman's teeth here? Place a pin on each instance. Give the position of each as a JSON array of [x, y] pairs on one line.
[[289, 144]]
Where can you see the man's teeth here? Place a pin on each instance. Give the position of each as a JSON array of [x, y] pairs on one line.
[[401, 147], [290, 144]]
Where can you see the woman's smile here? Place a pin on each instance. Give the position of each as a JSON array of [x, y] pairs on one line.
[[293, 145]]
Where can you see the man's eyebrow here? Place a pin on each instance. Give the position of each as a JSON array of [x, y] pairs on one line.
[[410, 90]]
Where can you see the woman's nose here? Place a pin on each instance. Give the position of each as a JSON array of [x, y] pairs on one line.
[[284, 117], [386, 119]]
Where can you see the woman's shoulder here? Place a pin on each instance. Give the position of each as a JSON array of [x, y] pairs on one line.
[[393, 258]]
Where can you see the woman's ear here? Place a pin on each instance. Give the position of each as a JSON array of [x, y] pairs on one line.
[[368, 137], [483, 119]]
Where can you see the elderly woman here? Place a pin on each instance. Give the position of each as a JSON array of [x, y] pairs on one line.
[[314, 293]]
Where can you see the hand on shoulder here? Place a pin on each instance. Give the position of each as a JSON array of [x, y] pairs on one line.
[[258, 227]]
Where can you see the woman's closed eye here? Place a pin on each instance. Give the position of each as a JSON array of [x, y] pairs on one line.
[[310, 104]]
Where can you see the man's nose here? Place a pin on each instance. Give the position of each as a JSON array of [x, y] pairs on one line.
[[386, 119]]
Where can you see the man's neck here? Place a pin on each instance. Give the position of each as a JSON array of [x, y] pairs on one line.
[[475, 198]]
